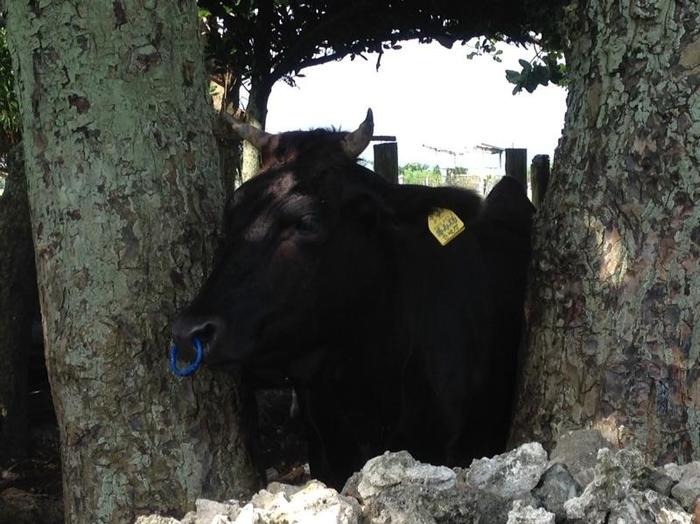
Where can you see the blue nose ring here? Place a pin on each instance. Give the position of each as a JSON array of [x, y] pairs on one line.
[[191, 368]]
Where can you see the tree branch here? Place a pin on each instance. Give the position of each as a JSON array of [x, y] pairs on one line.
[[293, 61], [312, 38]]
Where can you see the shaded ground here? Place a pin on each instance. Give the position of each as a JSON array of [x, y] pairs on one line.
[[283, 450], [30, 489], [40, 472]]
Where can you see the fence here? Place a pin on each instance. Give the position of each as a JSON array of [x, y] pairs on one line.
[[386, 164]]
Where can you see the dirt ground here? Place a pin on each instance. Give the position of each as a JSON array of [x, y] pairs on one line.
[[283, 450], [30, 489]]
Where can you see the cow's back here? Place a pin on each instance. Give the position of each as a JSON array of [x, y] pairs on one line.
[[504, 230]]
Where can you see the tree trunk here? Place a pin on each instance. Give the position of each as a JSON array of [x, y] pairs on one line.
[[230, 150], [260, 85], [125, 200], [19, 306], [256, 114], [614, 307]]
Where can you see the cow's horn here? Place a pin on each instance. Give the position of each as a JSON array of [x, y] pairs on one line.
[[257, 137], [355, 143]]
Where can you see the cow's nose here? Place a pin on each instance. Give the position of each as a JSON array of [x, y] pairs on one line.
[[184, 331]]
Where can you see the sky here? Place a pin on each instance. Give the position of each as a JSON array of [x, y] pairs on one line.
[[425, 94]]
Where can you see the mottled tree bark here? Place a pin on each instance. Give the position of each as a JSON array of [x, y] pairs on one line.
[[260, 85], [125, 200], [230, 149], [18, 307], [614, 308], [256, 115]]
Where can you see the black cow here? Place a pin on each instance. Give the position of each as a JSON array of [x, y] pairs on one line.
[[330, 277]]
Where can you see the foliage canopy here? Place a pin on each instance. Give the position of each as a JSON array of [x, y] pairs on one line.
[[270, 40], [416, 173], [9, 107]]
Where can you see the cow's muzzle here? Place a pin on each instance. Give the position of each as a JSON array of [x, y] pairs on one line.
[[185, 330]]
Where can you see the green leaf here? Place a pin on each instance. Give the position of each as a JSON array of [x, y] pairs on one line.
[[512, 76]]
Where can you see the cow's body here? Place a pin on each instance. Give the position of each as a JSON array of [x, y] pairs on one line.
[[331, 279]]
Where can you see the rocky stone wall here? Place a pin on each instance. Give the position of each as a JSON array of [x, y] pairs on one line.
[[584, 480]]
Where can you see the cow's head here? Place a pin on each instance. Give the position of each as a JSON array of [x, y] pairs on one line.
[[298, 247]]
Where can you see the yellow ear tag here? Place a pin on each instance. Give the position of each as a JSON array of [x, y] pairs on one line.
[[445, 225]]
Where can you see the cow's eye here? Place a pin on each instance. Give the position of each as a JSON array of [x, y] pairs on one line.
[[308, 225]]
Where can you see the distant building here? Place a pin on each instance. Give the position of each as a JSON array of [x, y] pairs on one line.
[[477, 168]]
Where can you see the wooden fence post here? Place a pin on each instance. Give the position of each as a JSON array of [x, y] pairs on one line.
[[516, 165], [386, 161], [539, 178]]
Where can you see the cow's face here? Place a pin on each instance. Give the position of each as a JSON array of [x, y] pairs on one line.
[[299, 247]]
